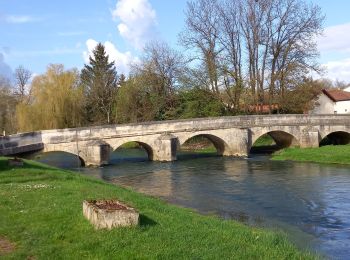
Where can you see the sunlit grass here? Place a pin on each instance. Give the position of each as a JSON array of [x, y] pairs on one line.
[[325, 154], [41, 212]]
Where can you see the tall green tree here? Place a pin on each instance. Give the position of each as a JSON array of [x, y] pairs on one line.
[[100, 81], [197, 102], [139, 102]]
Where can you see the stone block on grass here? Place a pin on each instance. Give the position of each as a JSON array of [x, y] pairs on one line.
[[16, 162], [108, 214]]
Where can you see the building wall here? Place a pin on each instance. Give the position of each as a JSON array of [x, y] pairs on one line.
[[342, 107], [347, 89], [324, 105]]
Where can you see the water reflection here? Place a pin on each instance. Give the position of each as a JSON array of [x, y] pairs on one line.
[[311, 202]]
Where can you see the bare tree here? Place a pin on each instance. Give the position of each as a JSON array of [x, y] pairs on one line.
[[161, 68], [231, 40], [22, 77], [266, 45], [202, 34], [293, 49]]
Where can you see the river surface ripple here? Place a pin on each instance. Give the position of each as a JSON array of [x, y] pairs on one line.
[[310, 202]]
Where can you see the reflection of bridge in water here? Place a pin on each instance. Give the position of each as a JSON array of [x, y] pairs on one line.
[[231, 136]]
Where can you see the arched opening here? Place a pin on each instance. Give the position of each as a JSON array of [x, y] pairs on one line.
[[204, 145], [59, 159], [132, 152], [273, 141], [336, 138]]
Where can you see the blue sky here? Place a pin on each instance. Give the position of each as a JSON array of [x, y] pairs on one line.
[[36, 33]]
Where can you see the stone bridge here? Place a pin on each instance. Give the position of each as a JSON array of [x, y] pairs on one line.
[[232, 136]]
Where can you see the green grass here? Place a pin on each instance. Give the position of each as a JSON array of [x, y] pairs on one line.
[[208, 149], [326, 154], [264, 140], [41, 212]]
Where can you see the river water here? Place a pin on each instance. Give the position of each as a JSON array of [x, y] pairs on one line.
[[310, 202]]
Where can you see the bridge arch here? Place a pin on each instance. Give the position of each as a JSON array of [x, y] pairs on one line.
[[80, 157], [147, 147], [281, 139], [219, 144], [336, 138]]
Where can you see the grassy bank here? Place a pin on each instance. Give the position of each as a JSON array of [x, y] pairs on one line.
[[326, 154], [41, 218]]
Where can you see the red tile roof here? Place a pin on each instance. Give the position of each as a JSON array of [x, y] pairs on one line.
[[336, 94]]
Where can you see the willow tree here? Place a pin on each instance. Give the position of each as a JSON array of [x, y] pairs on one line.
[[56, 101], [100, 82]]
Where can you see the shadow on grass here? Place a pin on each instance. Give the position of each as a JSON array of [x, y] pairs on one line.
[[146, 221], [32, 165], [30, 171]]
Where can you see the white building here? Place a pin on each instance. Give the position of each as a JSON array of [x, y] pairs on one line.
[[333, 101]]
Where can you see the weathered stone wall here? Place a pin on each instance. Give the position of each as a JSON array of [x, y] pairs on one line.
[[232, 136]]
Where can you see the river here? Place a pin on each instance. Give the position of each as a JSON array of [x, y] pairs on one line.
[[310, 202]]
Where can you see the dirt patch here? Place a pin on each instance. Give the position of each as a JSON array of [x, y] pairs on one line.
[[110, 205], [6, 246]]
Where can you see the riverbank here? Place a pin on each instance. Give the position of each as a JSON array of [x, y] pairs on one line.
[[338, 154], [41, 218]]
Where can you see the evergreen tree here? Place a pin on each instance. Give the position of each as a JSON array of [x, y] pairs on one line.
[[122, 80], [100, 81]]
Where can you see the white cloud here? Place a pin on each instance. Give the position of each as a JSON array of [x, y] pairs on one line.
[[122, 60], [335, 39], [17, 19], [137, 19], [338, 70]]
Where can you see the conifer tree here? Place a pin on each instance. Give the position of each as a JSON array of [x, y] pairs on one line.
[[100, 81]]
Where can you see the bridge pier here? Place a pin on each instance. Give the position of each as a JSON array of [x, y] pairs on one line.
[[97, 153], [309, 139], [166, 146], [238, 143]]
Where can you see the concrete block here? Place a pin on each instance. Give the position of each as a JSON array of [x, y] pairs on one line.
[[108, 214]]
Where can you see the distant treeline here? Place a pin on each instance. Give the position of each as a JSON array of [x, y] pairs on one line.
[[243, 57]]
